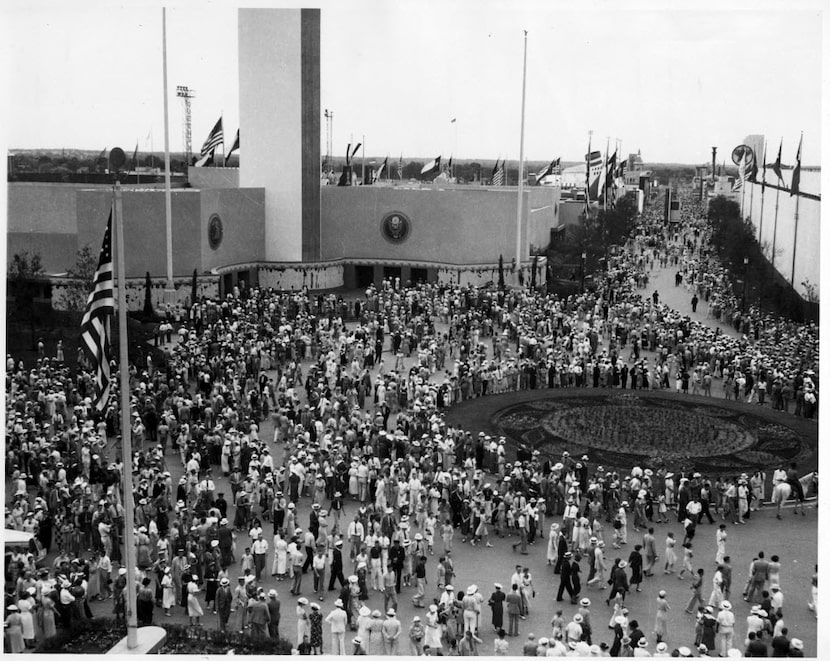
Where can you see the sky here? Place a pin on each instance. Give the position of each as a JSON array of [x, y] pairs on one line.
[[671, 83]]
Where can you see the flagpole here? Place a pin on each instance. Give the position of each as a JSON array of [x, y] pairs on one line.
[[763, 194], [126, 431], [137, 175], [775, 225], [168, 205], [795, 239], [521, 167], [363, 161]]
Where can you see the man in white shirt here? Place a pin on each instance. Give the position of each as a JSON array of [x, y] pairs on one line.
[[726, 627], [356, 534], [260, 550], [337, 619]]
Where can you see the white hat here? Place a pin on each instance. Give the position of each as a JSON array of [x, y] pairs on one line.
[[725, 605], [797, 644]]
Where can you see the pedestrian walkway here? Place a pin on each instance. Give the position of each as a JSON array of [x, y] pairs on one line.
[[679, 298]]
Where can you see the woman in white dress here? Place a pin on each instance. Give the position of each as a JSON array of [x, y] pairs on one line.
[[433, 634], [168, 592], [552, 543], [194, 608], [26, 606], [280, 568]]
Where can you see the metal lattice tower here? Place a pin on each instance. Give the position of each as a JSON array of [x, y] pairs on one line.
[[185, 94]]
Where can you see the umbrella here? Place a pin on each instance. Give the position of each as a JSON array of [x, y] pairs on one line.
[[16, 537]]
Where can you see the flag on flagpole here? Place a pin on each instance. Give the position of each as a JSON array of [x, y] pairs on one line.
[[498, 174], [382, 167], [354, 151], [743, 170], [95, 325], [206, 160], [449, 165], [400, 168], [135, 157], [553, 168], [796, 180], [594, 174], [214, 139], [776, 167], [494, 173], [234, 146], [611, 171], [433, 166]]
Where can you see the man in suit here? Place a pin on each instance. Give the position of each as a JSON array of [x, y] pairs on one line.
[[274, 612], [514, 610], [258, 615], [396, 559], [224, 602], [337, 565], [565, 577]]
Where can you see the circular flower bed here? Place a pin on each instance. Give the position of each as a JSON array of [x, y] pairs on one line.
[[631, 428]]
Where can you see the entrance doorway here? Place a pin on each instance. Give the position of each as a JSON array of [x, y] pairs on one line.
[[364, 276], [418, 275], [391, 272]]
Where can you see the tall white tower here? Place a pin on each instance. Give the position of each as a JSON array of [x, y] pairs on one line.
[[279, 125]]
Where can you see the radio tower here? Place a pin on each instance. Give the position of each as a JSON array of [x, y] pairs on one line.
[[185, 94]]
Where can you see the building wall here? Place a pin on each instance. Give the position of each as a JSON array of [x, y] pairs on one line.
[[145, 229], [207, 286], [781, 234], [203, 178], [276, 74], [243, 226], [449, 226], [41, 218], [310, 131]]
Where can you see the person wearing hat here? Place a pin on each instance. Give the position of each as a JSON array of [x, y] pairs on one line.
[[259, 616], [416, 636], [640, 650], [796, 648], [726, 627], [496, 603], [14, 630], [223, 601], [338, 620], [357, 647], [391, 631]]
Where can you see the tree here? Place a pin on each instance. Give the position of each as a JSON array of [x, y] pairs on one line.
[[24, 275], [148, 296], [82, 278], [501, 272], [194, 287]]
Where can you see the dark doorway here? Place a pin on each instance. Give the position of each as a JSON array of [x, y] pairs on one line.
[[391, 272], [364, 276], [418, 275]]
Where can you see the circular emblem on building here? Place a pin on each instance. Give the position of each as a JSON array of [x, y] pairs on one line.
[[395, 227], [215, 231]]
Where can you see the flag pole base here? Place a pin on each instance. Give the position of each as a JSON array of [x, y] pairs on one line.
[[148, 641]]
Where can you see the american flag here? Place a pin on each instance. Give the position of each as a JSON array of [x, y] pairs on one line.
[[400, 168], [553, 168], [216, 138], [498, 175], [95, 326]]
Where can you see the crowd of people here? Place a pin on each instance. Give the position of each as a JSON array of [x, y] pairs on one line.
[[355, 395]]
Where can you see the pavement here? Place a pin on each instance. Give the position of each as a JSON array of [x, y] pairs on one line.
[[794, 539]]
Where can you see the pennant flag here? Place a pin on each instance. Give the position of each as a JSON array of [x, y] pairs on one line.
[[776, 167], [610, 172], [346, 176], [400, 168], [433, 166], [206, 160], [498, 175], [553, 168], [135, 157], [382, 167], [95, 326], [234, 146], [348, 153], [449, 164], [354, 151], [216, 138], [593, 174], [796, 180]]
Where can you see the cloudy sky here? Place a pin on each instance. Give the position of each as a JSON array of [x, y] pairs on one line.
[[672, 83]]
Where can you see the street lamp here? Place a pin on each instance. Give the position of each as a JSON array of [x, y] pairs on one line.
[[582, 286], [746, 270]]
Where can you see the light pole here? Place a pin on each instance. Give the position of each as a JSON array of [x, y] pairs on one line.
[[582, 273]]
